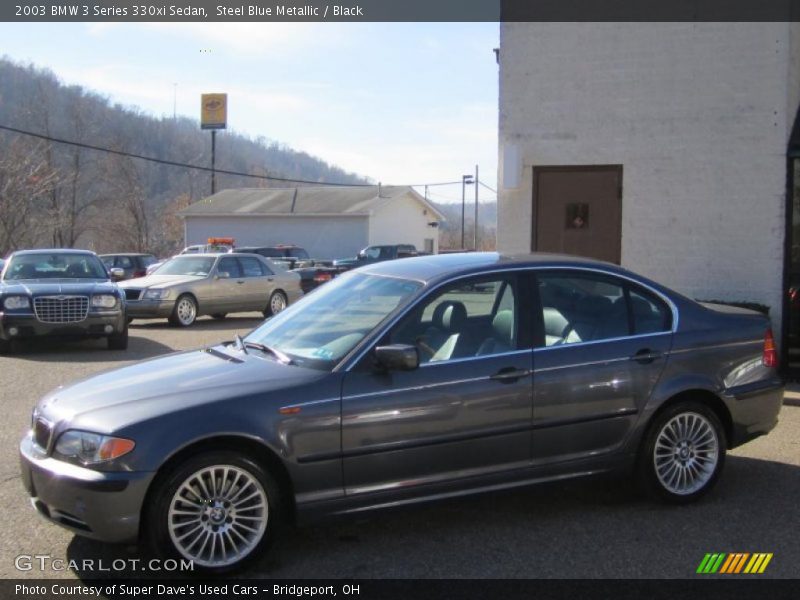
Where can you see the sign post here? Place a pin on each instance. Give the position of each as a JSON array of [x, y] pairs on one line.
[[213, 116]]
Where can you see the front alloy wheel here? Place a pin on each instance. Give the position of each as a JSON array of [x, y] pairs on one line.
[[185, 311], [684, 453], [217, 510]]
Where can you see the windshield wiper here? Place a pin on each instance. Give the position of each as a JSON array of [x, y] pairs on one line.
[[284, 358]]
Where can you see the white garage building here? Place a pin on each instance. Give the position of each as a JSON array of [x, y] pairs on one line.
[[328, 221], [665, 147]]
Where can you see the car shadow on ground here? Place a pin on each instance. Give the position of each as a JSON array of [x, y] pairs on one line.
[[78, 351], [239, 321], [588, 528]]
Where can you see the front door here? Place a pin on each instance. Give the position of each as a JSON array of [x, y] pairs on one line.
[[578, 210], [601, 347], [465, 411]]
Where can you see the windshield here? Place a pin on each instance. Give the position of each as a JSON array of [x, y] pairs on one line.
[[324, 326], [199, 266], [54, 266]]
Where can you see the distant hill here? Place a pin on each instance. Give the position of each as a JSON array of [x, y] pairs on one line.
[[54, 194], [450, 230]]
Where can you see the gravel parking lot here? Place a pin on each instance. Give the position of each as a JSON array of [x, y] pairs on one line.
[[581, 529]]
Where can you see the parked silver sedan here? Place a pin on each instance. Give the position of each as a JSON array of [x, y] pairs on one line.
[[186, 287]]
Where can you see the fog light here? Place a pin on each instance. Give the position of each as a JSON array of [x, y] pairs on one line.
[[13, 331], [109, 329]]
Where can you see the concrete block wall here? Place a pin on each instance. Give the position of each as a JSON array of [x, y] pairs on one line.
[[698, 114]]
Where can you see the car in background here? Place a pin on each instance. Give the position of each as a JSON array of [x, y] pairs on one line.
[[132, 265], [188, 286], [373, 254], [294, 257], [60, 293], [400, 383]]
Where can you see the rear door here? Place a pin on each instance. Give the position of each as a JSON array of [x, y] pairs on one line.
[[600, 348], [257, 284], [229, 286]]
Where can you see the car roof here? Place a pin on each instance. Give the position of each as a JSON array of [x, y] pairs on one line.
[[126, 254], [53, 251], [429, 268]]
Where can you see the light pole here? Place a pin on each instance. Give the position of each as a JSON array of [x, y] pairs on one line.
[[465, 181]]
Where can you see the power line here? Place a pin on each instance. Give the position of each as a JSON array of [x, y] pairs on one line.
[[173, 163], [487, 187]]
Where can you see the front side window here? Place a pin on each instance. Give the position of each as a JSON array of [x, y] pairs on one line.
[[476, 317], [373, 252], [323, 327], [229, 266]]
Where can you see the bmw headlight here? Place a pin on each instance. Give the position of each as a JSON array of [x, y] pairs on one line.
[[104, 301], [16, 302], [156, 294], [91, 448]]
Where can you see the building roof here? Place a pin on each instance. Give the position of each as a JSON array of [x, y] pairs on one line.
[[308, 201]]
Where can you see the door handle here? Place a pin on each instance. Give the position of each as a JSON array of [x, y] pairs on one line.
[[510, 374], [646, 356]]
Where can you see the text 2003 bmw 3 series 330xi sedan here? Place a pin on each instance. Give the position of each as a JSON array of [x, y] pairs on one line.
[[401, 382]]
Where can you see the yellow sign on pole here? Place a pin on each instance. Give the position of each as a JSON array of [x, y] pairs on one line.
[[214, 111]]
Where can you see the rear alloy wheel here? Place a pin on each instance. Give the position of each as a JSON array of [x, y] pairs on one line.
[[219, 510], [277, 302], [683, 454], [185, 311], [119, 341]]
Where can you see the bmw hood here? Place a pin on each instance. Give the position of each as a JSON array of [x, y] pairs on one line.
[[106, 402], [66, 287]]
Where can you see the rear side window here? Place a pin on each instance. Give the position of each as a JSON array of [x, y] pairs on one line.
[[108, 261], [251, 267], [582, 308], [650, 314]]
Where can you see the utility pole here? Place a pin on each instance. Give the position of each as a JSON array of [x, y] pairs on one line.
[[475, 234], [465, 180], [213, 161]]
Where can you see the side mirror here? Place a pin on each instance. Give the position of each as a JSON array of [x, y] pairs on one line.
[[117, 274], [397, 357], [223, 275]]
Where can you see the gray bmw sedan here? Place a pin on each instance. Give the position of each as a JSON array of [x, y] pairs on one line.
[[401, 382]]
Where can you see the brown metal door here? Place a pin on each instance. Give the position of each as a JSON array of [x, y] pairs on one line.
[[578, 210]]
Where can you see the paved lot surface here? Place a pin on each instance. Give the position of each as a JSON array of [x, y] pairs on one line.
[[586, 529]]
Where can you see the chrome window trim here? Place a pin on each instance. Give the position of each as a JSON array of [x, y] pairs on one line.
[[591, 342], [352, 358], [451, 361]]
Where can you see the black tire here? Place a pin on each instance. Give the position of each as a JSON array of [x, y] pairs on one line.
[[119, 341], [690, 465], [157, 527], [277, 298], [219, 316], [182, 315]]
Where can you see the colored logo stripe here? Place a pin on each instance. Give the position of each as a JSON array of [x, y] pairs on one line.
[[734, 562]]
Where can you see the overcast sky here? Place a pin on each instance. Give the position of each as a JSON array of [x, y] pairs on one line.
[[400, 103]]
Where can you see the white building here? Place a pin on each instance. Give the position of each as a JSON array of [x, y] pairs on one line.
[[328, 221], [662, 146]]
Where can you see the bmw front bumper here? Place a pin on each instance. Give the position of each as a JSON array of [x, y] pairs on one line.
[[100, 505]]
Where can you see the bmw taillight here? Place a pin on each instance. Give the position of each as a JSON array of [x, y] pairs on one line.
[[770, 356]]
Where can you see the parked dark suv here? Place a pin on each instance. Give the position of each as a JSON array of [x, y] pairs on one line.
[[60, 293], [134, 265]]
